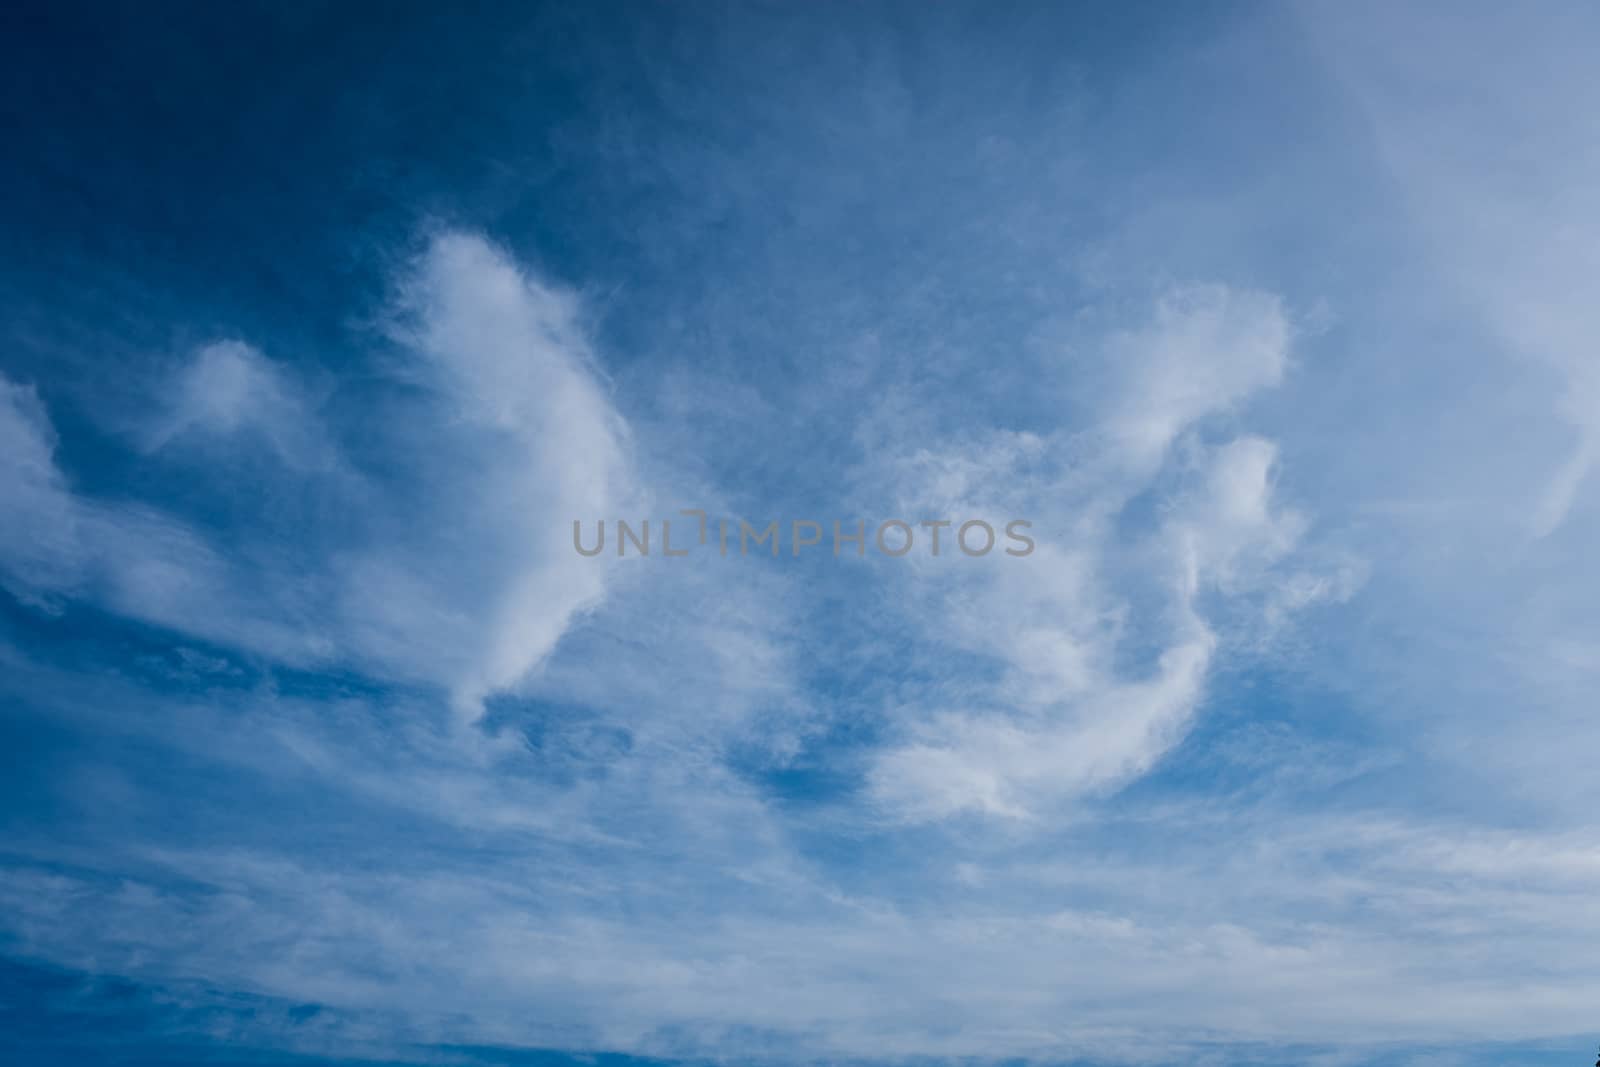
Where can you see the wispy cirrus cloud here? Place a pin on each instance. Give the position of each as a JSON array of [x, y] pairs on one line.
[[229, 391], [1101, 640], [314, 706], [510, 430]]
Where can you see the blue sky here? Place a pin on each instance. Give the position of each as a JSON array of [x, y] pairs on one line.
[[319, 329]]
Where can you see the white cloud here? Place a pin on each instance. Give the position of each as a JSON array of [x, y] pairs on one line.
[[55, 543], [1484, 143], [523, 441], [695, 927], [1069, 715], [227, 390], [1207, 348], [40, 550], [1497, 173], [470, 579]]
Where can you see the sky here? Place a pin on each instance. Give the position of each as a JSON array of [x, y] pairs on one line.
[[322, 324]]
